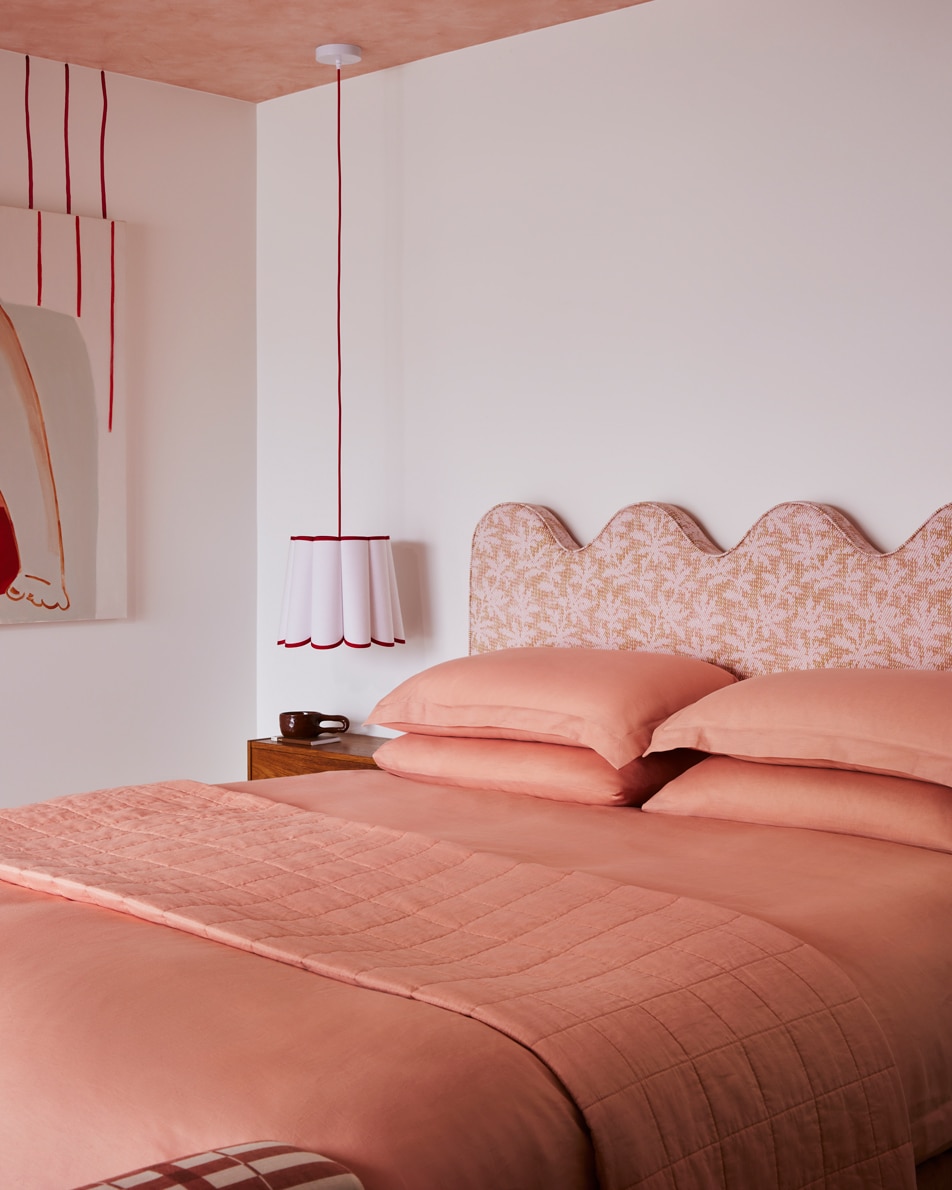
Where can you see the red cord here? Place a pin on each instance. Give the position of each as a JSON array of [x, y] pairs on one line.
[[340, 405]]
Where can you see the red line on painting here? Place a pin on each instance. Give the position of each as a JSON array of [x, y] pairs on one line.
[[39, 258], [69, 189], [79, 272], [102, 143], [29, 138], [112, 319]]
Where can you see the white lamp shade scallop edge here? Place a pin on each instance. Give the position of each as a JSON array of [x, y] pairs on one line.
[[340, 591]]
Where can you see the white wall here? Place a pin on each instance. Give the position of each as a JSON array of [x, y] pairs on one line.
[[685, 251], [168, 692]]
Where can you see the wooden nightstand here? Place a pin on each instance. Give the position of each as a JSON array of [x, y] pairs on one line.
[[289, 758]]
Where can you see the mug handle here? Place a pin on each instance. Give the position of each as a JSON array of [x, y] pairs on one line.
[[335, 723]]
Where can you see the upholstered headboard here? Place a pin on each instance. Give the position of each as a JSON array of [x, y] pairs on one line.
[[803, 589]]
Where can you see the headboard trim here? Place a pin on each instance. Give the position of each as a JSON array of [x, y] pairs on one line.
[[804, 588]]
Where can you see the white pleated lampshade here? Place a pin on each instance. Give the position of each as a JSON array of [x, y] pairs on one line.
[[340, 591]]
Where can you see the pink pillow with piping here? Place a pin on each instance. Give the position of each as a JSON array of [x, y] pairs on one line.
[[892, 721], [879, 807], [604, 699], [555, 771]]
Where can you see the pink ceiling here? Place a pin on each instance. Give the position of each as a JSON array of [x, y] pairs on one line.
[[259, 49]]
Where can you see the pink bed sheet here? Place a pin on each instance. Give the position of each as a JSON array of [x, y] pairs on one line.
[[125, 1043]]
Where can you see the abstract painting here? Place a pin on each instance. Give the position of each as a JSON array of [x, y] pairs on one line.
[[62, 449]]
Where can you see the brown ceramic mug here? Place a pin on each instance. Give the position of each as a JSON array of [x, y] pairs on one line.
[[308, 725]]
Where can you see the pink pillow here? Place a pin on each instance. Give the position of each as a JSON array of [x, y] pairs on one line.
[[604, 699], [893, 721], [851, 803], [554, 771]]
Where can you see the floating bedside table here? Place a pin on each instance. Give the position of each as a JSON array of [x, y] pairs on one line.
[[290, 758]]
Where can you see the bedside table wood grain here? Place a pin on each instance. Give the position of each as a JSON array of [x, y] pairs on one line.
[[285, 758]]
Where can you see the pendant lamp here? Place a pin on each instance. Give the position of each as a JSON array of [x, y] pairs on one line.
[[340, 589]]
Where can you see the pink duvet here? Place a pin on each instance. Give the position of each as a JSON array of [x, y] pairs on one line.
[[172, 1039]]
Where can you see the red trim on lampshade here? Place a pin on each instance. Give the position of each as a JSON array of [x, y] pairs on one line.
[[345, 537], [298, 644]]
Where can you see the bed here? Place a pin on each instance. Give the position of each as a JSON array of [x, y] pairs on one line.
[[651, 890]]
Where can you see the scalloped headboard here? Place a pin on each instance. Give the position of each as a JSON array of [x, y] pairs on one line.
[[802, 589]]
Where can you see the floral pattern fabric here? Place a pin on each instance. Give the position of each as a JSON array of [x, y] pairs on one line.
[[803, 589]]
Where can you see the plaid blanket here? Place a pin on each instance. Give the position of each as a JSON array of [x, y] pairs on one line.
[[263, 1165]]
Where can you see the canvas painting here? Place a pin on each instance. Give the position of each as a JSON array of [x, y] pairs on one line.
[[62, 448]]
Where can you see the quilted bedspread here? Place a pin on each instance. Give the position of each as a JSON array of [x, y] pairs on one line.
[[704, 1047]]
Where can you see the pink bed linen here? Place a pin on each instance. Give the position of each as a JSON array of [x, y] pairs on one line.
[[880, 910], [240, 1044], [737, 1049], [124, 1043]]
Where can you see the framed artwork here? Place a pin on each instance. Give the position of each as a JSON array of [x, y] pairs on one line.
[[62, 446]]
